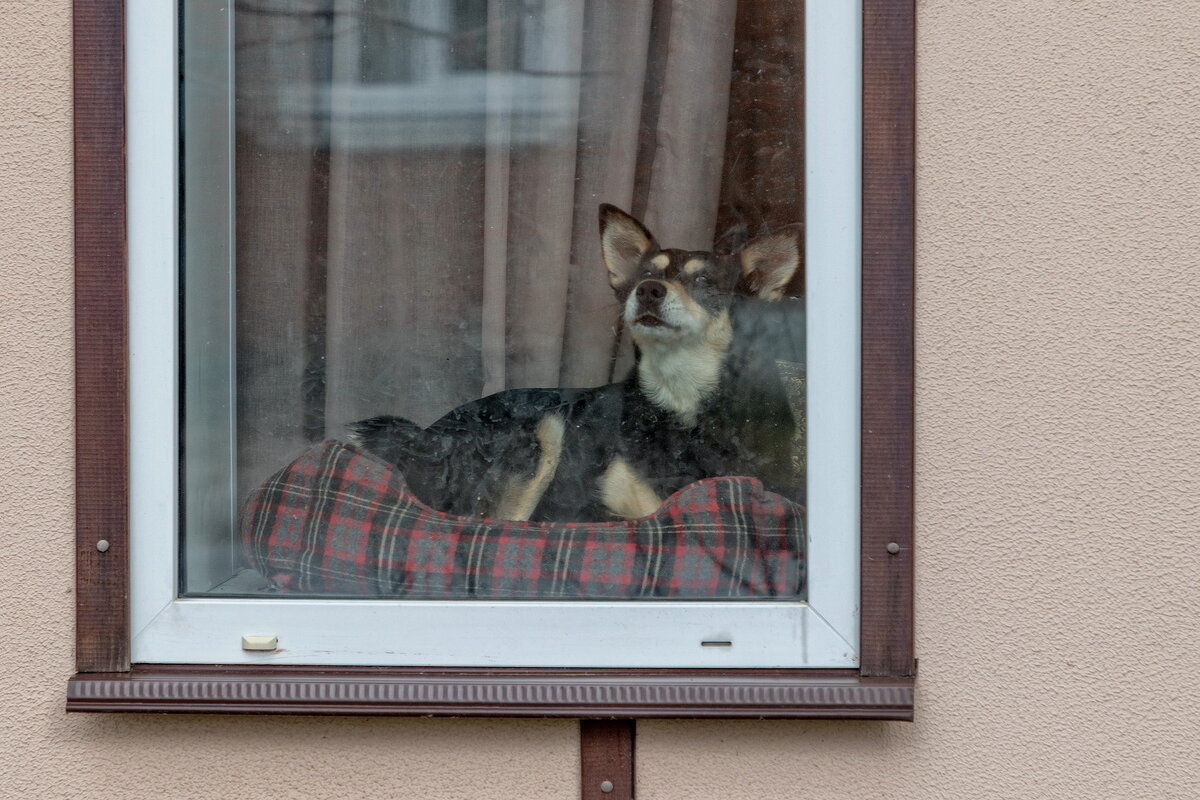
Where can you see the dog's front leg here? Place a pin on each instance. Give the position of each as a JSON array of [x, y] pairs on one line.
[[625, 493]]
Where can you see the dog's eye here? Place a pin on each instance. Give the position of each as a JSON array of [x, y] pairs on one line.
[[703, 280], [648, 273]]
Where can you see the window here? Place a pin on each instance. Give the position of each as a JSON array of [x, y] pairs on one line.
[[287, 251]]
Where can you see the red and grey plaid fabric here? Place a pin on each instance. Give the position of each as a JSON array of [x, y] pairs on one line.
[[339, 521]]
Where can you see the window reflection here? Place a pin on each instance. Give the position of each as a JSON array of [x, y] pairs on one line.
[[417, 185]]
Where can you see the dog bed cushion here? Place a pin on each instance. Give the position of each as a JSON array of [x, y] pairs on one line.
[[339, 521]]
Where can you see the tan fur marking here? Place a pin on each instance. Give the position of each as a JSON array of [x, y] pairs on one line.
[[694, 265], [522, 496], [661, 260], [626, 493], [694, 309], [719, 333]]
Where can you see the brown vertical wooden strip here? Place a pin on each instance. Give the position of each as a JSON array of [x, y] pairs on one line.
[[887, 335], [606, 754], [101, 407]]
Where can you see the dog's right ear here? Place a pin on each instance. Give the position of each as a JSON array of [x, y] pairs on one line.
[[624, 242]]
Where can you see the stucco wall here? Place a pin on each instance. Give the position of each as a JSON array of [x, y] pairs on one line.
[[1058, 462]]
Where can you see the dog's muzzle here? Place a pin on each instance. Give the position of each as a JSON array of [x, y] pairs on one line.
[[650, 294]]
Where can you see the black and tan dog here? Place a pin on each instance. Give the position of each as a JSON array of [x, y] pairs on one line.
[[705, 399]]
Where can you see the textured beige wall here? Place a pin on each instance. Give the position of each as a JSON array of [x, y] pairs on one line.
[[1058, 462]]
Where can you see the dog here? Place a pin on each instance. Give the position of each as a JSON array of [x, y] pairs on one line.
[[704, 398]]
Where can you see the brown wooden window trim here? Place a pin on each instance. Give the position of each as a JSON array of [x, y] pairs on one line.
[[882, 688]]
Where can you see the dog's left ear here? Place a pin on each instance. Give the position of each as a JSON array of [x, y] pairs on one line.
[[624, 242], [769, 262]]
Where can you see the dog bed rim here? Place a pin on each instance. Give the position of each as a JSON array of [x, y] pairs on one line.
[[756, 487]]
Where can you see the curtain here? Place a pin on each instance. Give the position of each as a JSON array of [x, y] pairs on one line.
[[418, 183]]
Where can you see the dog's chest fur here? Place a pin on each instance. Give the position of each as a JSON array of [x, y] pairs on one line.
[[681, 380]]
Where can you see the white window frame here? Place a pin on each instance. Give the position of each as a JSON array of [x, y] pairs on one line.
[[821, 632]]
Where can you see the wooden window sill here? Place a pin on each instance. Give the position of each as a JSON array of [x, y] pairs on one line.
[[370, 691]]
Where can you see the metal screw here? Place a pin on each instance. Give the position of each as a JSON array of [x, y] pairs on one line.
[[606, 786], [893, 548], [102, 545]]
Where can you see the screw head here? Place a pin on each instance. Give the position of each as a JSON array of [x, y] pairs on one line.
[[893, 548], [102, 545], [606, 786]]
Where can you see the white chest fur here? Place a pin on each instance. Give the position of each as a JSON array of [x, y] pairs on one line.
[[678, 379]]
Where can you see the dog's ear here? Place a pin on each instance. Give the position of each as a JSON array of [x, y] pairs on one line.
[[769, 262], [624, 242]]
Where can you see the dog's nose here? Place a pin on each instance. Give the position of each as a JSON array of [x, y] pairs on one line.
[[651, 290]]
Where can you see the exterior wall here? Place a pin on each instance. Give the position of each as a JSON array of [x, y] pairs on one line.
[[1058, 463]]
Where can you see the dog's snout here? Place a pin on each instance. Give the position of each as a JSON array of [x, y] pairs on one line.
[[651, 290]]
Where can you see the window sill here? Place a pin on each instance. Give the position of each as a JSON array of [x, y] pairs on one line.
[[368, 691]]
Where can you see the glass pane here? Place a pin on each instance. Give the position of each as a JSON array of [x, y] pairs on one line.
[[493, 299]]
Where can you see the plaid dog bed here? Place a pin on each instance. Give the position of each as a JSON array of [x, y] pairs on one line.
[[339, 521]]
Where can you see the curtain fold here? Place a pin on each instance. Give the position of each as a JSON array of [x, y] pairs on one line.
[[406, 206], [684, 143], [614, 77], [541, 196]]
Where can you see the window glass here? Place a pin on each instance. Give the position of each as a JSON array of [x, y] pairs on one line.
[[493, 299]]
